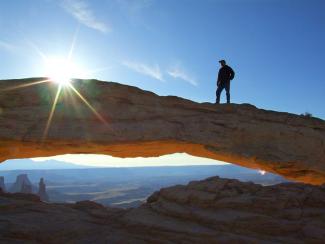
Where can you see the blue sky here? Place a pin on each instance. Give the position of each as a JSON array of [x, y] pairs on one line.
[[276, 47]]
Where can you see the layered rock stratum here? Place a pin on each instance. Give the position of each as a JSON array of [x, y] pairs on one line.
[[125, 121], [214, 210]]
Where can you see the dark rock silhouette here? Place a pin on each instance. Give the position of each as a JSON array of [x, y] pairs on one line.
[[2, 184], [22, 184], [42, 191]]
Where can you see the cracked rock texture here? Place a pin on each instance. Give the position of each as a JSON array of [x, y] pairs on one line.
[[131, 122], [214, 210], [233, 211]]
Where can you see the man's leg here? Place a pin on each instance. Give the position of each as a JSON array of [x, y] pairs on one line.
[[227, 86], [218, 93]]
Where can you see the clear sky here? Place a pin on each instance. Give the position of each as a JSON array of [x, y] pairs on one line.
[[276, 47]]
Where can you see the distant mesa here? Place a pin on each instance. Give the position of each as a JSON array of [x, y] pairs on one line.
[[29, 164], [2, 184], [27, 189], [22, 184], [125, 121]]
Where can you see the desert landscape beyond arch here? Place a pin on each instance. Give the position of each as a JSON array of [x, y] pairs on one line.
[[124, 121]]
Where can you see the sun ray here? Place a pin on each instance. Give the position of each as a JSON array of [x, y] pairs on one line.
[[74, 40], [38, 51], [61, 70], [88, 104], [24, 85], [49, 120]]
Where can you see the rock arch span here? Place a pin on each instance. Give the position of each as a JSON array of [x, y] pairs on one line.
[[125, 121]]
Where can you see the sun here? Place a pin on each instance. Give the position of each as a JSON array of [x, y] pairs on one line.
[[61, 70]]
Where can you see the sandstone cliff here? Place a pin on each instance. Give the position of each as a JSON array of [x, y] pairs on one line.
[[130, 122]]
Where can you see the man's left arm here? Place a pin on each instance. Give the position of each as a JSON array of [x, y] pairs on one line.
[[232, 74]]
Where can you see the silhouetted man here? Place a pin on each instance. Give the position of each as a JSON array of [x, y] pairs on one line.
[[225, 75]]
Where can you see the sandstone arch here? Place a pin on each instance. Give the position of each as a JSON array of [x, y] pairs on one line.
[[141, 123]]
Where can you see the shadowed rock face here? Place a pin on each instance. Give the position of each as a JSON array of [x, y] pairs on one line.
[[141, 123], [214, 210], [232, 211]]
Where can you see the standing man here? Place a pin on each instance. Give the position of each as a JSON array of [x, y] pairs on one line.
[[225, 75]]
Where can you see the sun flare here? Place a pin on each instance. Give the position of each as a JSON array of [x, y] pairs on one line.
[[262, 172], [61, 70]]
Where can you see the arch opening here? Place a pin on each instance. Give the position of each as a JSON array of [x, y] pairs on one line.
[[115, 181]]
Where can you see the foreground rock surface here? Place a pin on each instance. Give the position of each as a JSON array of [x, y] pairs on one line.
[[125, 121], [214, 210]]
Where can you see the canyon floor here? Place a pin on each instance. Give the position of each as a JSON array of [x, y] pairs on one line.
[[214, 210]]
